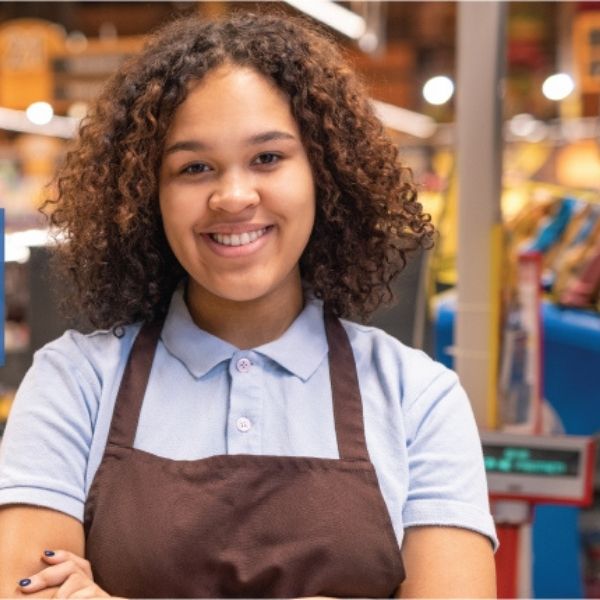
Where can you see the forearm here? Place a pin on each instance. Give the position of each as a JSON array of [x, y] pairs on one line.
[[25, 533], [447, 562]]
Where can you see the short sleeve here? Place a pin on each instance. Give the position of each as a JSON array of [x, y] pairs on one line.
[[447, 481], [46, 444]]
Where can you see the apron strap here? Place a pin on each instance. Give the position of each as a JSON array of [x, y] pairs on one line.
[[128, 404], [347, 403]]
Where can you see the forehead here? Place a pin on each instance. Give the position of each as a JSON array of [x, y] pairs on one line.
[[233, 98]]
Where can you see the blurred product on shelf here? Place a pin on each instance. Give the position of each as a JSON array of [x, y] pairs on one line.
[[549, 204], [520, 382], [6, 398], [566, 232], [26, 167], [584, 289], [16, 336]]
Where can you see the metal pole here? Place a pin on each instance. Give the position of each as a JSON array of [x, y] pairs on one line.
[[480, 44]]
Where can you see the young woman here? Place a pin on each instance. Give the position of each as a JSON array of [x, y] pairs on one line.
[[229, 199]]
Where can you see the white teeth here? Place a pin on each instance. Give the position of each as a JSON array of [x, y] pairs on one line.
[[238, 240]]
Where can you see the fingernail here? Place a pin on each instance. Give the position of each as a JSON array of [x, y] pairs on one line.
[[24, 582], [48, 552]]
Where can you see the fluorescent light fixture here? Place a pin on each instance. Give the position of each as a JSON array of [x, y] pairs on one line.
[[17, 244], [77, 110], [57, 126], [16, 253], [368, 43], [403, 120], [337, 17], [558, 86]]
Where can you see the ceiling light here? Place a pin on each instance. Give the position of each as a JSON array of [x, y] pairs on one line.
[[558, 86], [522, 125], [39, 113], [438, 90]]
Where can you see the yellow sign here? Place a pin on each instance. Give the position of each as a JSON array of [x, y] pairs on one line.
[[26, 50]]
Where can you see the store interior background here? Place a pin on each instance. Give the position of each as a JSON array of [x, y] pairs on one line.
[[60, 53]]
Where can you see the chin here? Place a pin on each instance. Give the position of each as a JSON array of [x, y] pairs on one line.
[[246, 288], [240, 294]]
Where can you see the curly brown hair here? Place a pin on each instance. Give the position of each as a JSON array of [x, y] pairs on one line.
[[106, 199]]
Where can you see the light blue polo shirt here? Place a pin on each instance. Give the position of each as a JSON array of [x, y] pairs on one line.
[[205, 397]]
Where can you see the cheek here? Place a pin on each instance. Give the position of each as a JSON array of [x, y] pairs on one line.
[[309, 206], [177, 208], [167, 219], [164, 202], [301, 202], [173, 225]]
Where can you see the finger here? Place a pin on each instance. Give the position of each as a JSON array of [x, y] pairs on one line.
[[89, 593], [54, 557], [78, 586], [49, 577]]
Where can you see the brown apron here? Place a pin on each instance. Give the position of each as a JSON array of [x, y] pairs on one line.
[[240, 525]]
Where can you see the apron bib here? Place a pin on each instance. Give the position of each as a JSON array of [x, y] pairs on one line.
[[240, 525]]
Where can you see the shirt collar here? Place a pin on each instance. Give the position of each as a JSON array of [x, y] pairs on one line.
[[197, 349], [300, 350], [303, 346]]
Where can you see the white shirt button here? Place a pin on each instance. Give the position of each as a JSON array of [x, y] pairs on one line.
[[243, 365], [243, 424]]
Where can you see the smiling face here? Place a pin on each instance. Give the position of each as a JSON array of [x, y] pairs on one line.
[[236, 189]]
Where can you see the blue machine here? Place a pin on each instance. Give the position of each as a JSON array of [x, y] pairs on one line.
[[572, 386]]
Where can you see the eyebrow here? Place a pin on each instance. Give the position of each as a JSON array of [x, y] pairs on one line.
[[254, 140]]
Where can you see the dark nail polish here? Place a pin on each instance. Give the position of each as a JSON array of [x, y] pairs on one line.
[[48, 552], [24, 582]]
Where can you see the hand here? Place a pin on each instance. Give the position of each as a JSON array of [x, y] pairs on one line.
[[72, 575]]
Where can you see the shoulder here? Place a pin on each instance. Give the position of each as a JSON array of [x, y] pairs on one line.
[[88, 356], [63, 390], [413, 370], [73, 342], [47, 444]]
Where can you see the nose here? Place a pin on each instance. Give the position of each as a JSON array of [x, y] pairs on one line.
[[234, 193]]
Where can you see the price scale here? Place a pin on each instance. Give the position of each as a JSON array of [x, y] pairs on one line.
[[525, 470], [539, 469]]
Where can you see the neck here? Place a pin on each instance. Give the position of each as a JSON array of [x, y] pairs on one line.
[[245, 324]]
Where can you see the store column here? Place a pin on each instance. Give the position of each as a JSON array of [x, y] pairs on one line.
[[481, 54]]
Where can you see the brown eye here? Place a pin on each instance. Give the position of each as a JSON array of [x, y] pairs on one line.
[[195, 169], [267, 158]]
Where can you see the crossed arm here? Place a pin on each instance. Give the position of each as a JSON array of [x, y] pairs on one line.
[[25, 533], [439, 561]]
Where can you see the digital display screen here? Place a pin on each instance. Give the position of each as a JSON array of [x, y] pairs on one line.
[[542, 462]]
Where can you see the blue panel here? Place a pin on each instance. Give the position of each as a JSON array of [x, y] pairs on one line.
[[571, 384], [556, 553], [571, 367], [444, 328], [572, 328]]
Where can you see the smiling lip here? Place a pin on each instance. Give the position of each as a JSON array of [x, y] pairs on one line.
[[236, 228], [245, 249]]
